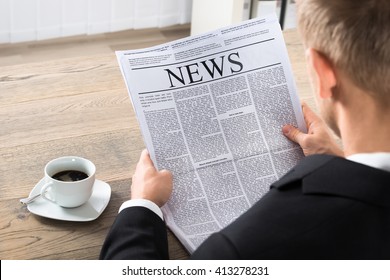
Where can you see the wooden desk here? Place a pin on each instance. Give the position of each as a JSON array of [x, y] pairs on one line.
[[73, 107]]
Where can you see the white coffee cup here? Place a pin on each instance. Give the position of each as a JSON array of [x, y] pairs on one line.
[[68, 193]]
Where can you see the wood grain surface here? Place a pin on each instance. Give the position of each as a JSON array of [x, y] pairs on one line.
[[76, 106]]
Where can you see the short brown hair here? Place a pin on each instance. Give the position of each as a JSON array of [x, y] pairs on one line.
[[354, 35]]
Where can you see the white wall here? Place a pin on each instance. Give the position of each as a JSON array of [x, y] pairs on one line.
[[29, 20]]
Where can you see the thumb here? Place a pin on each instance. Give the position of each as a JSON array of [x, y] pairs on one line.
[[166, 174], [145, 158], [293, 133]]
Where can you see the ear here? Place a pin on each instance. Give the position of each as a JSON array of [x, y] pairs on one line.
[[324, 72]]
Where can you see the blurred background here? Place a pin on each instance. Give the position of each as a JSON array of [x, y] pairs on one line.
[[32, 30]]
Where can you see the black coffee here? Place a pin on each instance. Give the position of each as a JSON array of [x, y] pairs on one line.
[[70, 176]]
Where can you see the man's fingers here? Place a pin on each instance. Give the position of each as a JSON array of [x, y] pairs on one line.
[[309, 115], [293, 134], [145, 158], [166, 173]]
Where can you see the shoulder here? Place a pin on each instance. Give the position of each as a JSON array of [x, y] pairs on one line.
[[321, 199], [334, 176]]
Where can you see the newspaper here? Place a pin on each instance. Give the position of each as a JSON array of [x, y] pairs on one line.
[[211, 110]]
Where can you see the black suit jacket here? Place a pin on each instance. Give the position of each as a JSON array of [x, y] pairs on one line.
[[324, 208]]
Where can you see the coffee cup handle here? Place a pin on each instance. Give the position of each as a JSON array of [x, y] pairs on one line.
[[45, 189]]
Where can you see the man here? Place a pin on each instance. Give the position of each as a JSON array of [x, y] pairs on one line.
[[328, 206]]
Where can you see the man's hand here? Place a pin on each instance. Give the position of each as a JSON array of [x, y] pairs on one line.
[[317, 140], [149, 183]]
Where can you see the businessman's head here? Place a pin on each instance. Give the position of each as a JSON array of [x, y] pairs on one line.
[[354, 36], [347, 44]]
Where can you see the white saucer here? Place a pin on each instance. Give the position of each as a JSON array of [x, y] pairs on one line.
[[89, 211]]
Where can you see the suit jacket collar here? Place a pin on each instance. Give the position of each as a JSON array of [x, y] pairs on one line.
[[330, 175]]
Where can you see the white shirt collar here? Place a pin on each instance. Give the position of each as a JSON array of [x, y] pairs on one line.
[[376, 160]]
